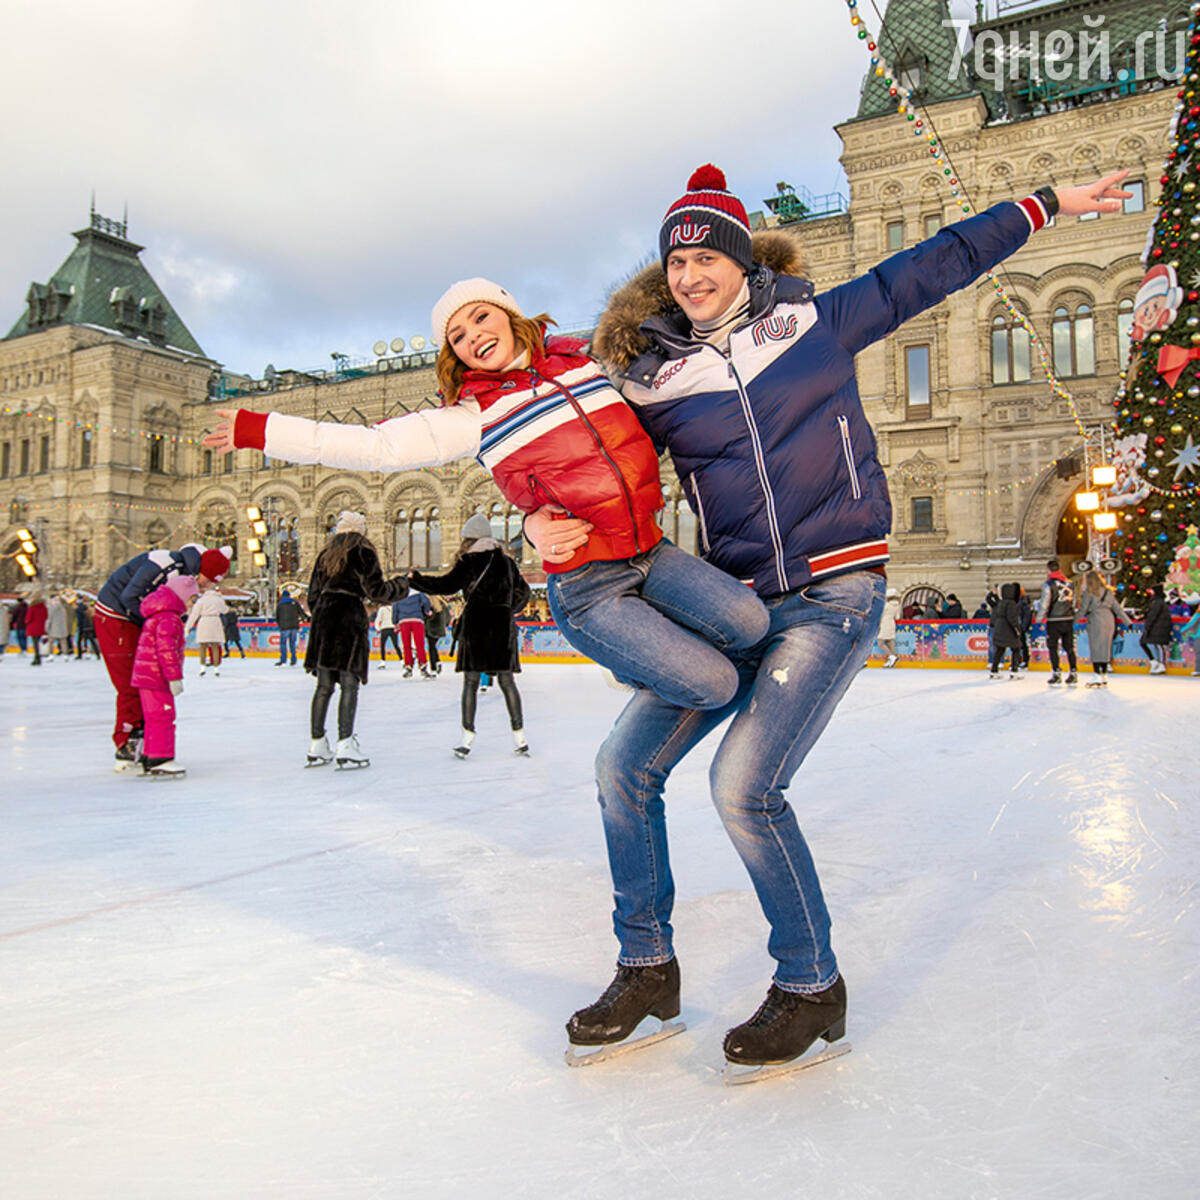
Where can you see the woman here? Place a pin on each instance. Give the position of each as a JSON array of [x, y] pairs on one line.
[[1157, 630], [56, 627], [493, 593], [207, 619], [747, 377], [1102, 611], [346, 575]]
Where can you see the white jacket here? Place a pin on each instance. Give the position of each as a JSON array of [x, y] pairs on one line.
[[887, 626], [205, 617]]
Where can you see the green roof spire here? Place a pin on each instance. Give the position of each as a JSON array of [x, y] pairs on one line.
[[919, 42], [104, 283]]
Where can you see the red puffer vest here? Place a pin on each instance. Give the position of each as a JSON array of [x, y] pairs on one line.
[[557, 432]]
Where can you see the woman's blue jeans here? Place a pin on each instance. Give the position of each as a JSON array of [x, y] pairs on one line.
[[663, 620], [790, 683]]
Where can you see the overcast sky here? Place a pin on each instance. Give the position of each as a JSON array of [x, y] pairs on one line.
[[308, 177]]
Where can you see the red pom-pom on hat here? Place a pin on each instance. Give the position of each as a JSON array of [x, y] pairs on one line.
[[707, 179]]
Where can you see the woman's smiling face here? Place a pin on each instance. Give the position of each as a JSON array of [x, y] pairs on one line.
[[481, 336]]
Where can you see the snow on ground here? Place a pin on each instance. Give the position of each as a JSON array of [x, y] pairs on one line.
[[269, 982]]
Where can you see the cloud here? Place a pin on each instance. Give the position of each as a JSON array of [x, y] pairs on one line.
[[303, 172]]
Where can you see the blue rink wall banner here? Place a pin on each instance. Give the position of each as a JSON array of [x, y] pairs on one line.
[[918, 644], [536, 641], [963, 643]]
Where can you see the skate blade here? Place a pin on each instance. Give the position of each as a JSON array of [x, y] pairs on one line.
[[738, 1073], [162, 777], [588, 1056], [318, 762], [460, 753], [352, 764]]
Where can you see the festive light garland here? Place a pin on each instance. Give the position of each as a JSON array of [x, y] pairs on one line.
[[53, 419], [906, 107]]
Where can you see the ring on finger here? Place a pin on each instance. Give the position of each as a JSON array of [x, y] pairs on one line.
[[554, 549]]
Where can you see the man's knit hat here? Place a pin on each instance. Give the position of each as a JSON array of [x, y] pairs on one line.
[[707, 214], [468, 291], [214, 564]]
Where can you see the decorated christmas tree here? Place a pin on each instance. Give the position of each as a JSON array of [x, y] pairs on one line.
[[1156, 448]]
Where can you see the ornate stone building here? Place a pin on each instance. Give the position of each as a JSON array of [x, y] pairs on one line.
[[104, 395]]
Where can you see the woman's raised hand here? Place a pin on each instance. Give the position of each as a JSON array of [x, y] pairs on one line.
[[1103, 196], [221, 438]]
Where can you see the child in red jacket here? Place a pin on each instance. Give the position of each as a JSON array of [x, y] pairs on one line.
[[158, 672], [541, 415]]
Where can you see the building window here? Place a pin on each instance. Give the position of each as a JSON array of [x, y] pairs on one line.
[[1124, 325], [1011, 362], [25, 448], [1074, 341], [82, 551], [922, 514], [44, 456], [5, 460], [932, 224], [229, 463], [418, 537], [206, 463], [916, 383], [681, 525], [156, 455], [1137, 202], [85, 448], [1089, 216], [895, 236]]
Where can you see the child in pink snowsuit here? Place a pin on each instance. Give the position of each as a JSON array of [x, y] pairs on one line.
[[158, 670]]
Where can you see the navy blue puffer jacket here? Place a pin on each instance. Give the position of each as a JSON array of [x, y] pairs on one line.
[[771, 442]]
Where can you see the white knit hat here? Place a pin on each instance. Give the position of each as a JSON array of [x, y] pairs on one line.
[[350, 522], [468, 291]]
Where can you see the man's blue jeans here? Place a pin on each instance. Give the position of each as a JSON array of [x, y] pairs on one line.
[[287, 641], [791, 682], [662, 620]]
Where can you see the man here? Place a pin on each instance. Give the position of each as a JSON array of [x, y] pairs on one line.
[[747, 378], [1057, 611], [118, 621], [287, 618]]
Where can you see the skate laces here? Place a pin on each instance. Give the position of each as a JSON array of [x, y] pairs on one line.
[[777, 1004]]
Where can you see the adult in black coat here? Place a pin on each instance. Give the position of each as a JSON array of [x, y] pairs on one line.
[[1157, 630], [493, 593], [346, 573], [1006, 629]]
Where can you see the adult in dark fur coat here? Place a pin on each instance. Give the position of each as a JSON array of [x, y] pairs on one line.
[[1157, 630], [346, 573], [493, 593], [1006, 629]]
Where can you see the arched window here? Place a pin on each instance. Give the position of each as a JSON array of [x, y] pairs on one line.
[[1124, 325], [507, 525], [1011, 361], [418, 537], [1074, 341]]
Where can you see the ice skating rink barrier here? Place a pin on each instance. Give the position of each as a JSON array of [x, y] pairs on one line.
[[918, 643]]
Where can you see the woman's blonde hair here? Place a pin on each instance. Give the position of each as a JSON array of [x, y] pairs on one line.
[[1094, 582], [528, 334]]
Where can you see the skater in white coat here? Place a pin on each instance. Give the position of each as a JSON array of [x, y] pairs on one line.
[[887, 626], [205, 619]]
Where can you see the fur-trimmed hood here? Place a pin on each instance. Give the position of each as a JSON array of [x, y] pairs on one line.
[[619, 340]]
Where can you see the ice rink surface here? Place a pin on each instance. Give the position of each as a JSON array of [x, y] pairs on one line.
[[265, 981]]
